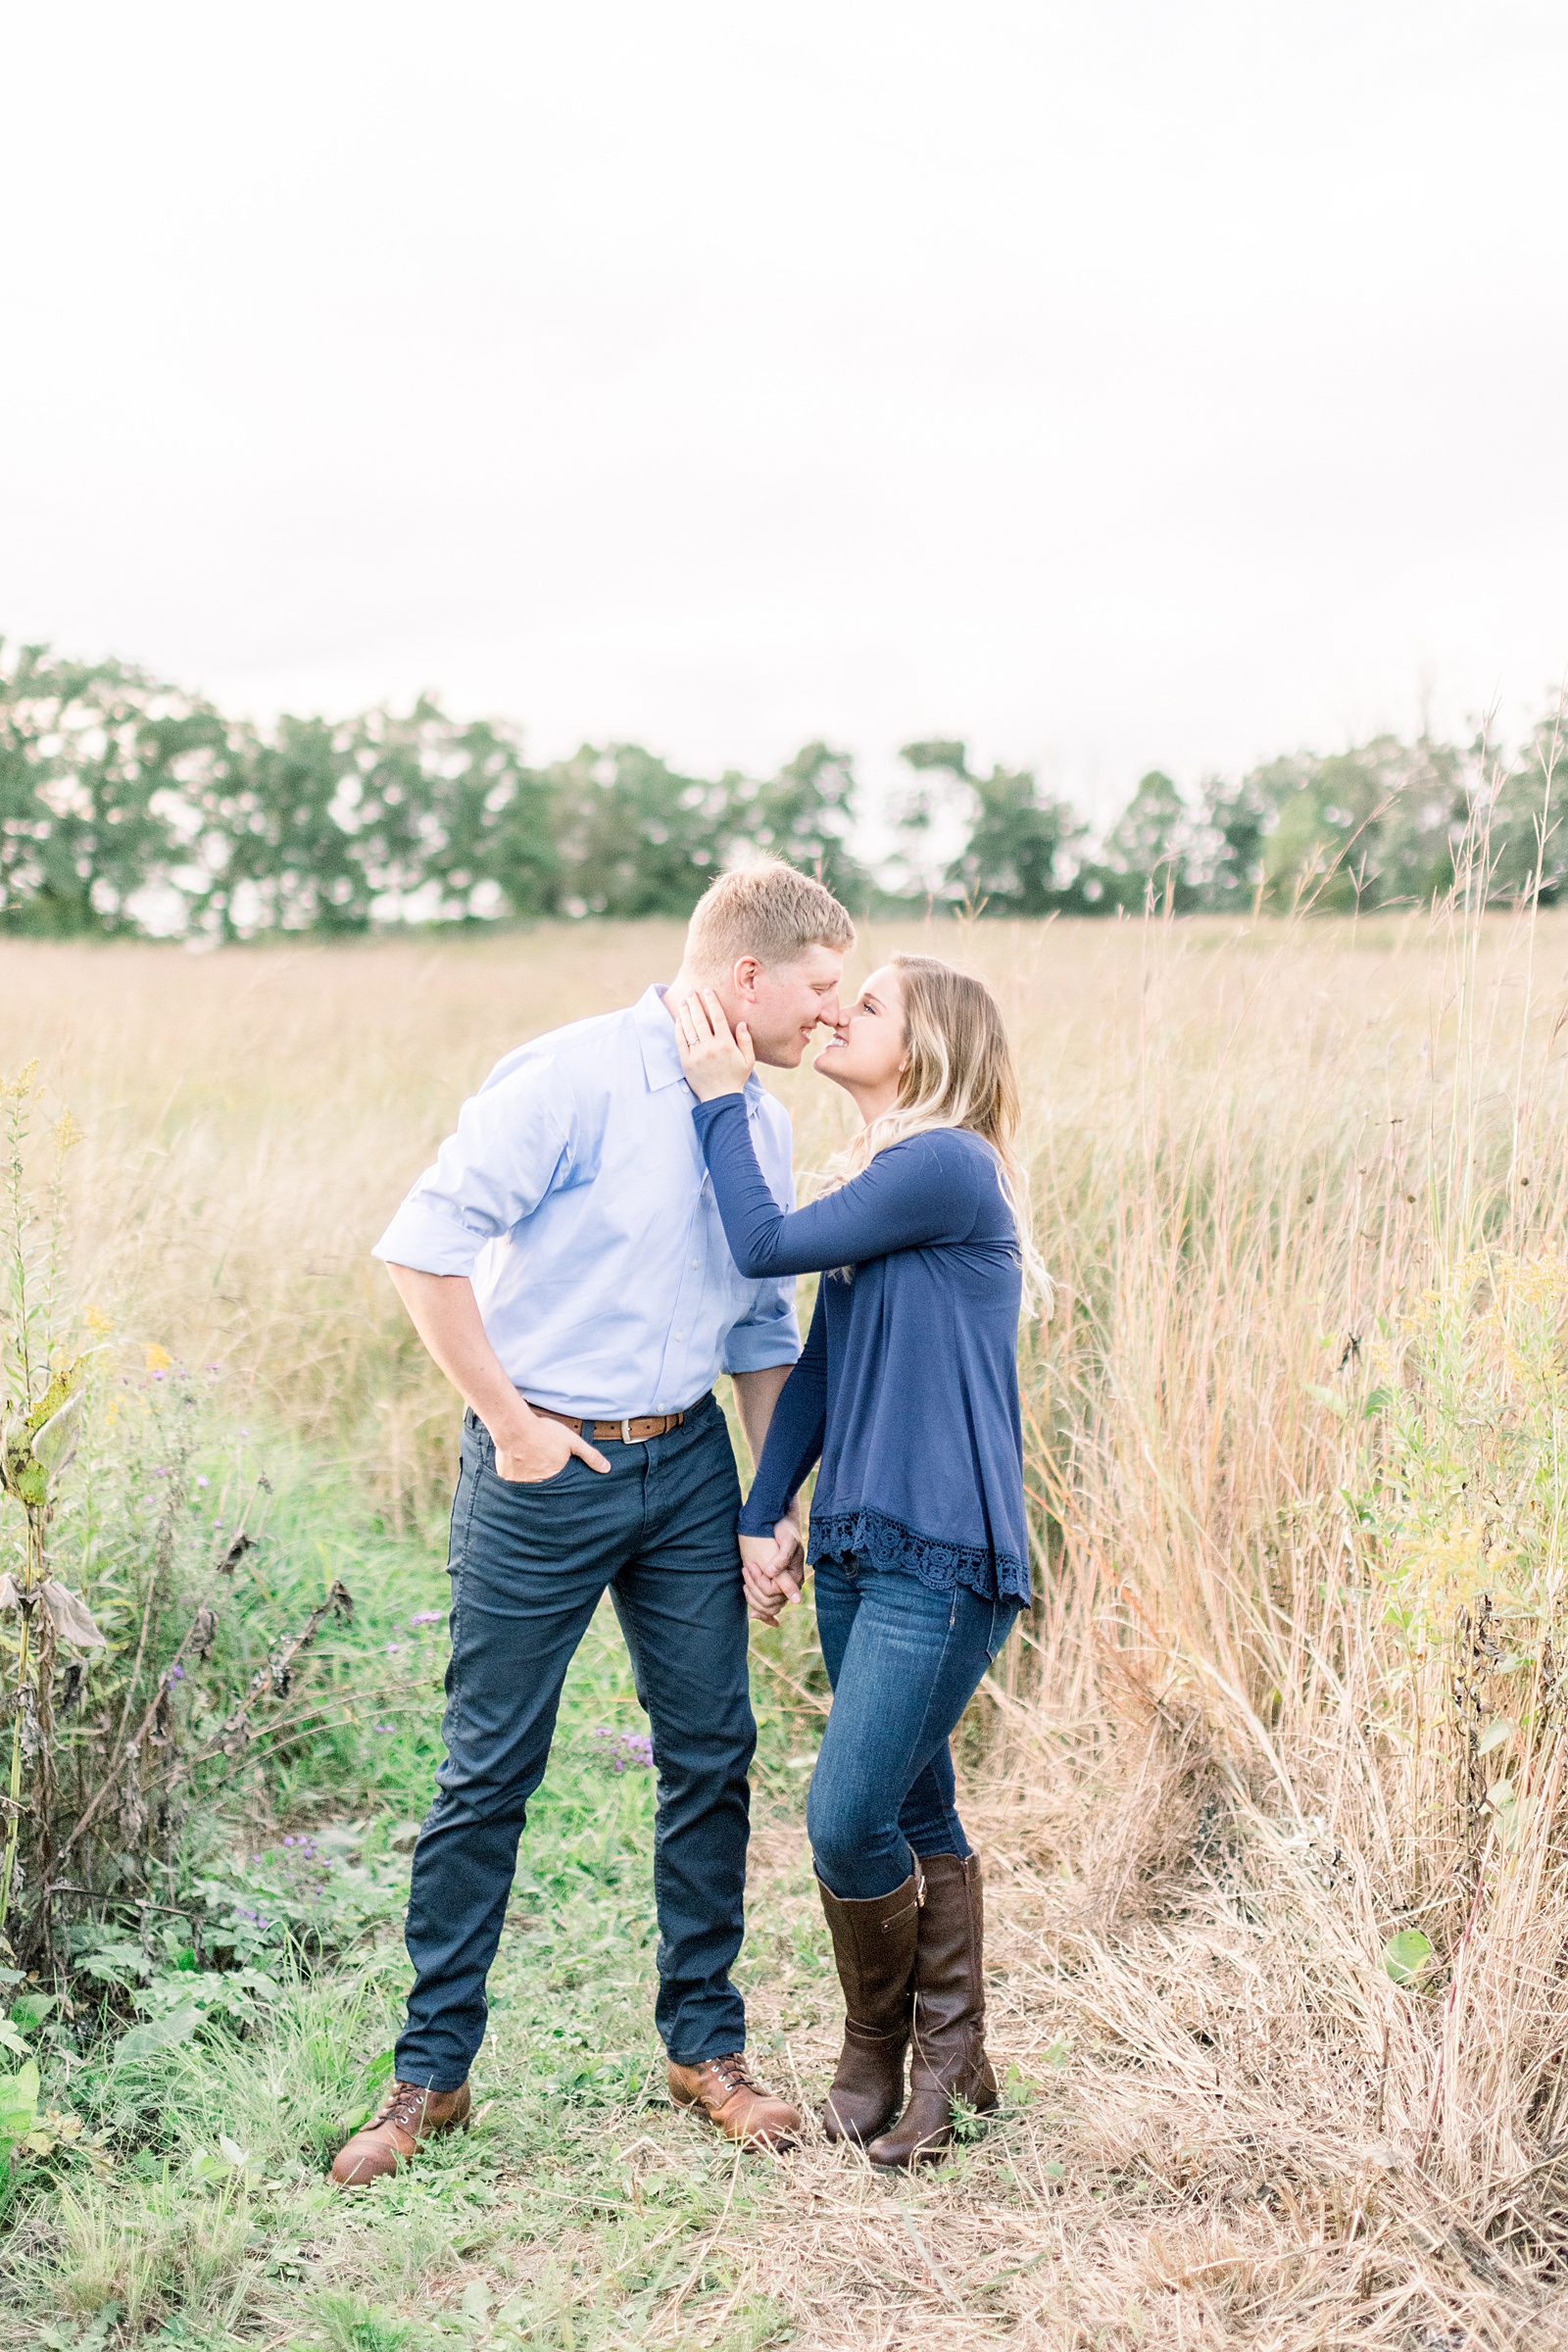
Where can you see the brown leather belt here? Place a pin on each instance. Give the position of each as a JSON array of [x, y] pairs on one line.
[[631, 1430]]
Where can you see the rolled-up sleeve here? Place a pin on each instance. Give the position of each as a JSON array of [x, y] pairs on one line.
[[770, 1335], [511, 1147]]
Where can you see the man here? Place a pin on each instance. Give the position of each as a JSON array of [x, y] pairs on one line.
[[565, 1265]]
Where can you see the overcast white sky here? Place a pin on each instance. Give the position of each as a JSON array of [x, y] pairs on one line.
[[1114, 383]]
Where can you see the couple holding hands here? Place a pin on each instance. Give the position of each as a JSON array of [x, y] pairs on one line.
[[613, 1224]]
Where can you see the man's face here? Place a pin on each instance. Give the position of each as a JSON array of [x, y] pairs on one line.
[[783, 1005]]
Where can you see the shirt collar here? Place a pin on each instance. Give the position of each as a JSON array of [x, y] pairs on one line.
[[656, 1033]]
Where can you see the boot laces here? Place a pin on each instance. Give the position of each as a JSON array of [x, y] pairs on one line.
[[735, 2075], [403, 2106]]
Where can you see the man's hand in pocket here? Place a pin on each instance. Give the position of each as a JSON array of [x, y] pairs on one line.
[[534, 1449]]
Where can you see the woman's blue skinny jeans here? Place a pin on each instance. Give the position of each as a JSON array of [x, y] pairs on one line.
[[903, 1661]]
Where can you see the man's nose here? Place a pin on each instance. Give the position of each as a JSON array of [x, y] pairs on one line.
[[830, 1014]]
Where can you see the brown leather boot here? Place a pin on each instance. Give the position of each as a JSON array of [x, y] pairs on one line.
[[722, 2090], [950, 2015], [408, 2114], [873, 1946]]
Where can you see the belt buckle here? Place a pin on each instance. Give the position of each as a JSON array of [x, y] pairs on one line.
[[625, 1433]]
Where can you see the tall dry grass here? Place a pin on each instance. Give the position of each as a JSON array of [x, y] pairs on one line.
[[1274, 1793]]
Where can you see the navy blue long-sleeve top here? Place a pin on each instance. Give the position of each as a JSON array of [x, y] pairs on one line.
[[908, 1391]]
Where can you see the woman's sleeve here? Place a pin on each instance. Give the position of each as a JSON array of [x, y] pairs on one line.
[[794, 1441], [913, 1194]]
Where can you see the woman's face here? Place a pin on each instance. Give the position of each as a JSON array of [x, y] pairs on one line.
[[866, 1051]]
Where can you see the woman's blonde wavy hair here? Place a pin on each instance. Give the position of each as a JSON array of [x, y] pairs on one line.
[[959, 1074]]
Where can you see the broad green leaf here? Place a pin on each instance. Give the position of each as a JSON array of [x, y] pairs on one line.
[[1408, 1955], [1495, 1735], [30, 1483], [54, 1398], [236, 2155], [55, 1443], [164, 2033], [19, 2102]]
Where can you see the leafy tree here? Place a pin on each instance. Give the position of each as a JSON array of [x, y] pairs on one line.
[[1426, 808], [1525, 821], [807, 815], [1374, 825], [1320, 845], [290, 865], [93, 759], [1224, 863], [1145, 857], [1019, 841], [633, 837]]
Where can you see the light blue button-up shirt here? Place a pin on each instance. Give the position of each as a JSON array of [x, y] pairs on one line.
[[575, 1196]]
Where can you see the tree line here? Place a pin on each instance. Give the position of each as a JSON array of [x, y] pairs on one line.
[[128, 806]]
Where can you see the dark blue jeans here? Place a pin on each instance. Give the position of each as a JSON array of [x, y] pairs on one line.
[[905, 1662], [528, 1566]]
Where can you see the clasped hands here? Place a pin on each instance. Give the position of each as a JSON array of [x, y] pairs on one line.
[[772, 1569]]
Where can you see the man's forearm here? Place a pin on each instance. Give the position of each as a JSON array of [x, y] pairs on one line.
[[756, 1395], [444, 1313]]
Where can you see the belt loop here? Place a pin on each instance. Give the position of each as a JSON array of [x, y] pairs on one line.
[[625, 1433]]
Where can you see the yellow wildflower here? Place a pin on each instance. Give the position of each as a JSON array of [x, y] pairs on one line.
[[65, 1134], [159, 1358]]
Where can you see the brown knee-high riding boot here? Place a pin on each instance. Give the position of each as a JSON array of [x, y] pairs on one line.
[[950, 2015], [873, 1945]]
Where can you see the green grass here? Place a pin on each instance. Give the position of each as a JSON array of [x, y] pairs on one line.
[[191, 2206]]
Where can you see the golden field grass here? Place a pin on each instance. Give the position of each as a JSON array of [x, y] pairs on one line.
[[1293, 1690]]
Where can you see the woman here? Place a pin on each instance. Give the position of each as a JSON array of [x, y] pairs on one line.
[[907, 1396]]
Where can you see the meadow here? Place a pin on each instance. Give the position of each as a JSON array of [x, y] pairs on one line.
[[1270, 1789]]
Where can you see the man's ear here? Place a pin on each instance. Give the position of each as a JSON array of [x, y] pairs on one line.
[[744, 978]]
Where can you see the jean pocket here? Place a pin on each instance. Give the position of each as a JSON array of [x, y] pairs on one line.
[[535, 1486]]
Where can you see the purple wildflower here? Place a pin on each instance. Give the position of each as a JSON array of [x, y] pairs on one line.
[[622, 1751], [426, 1617]]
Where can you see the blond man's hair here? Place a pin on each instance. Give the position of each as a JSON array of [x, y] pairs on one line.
[[768, 911]]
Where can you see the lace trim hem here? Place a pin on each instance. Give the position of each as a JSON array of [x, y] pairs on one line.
[[888, 1544]]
